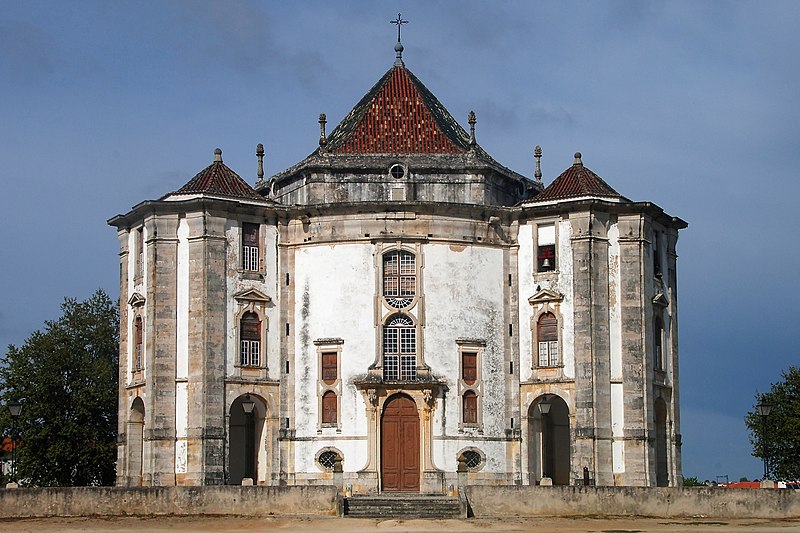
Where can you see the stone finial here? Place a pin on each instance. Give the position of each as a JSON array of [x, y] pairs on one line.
[[472, 120], [260, 156], [218, 155], [537, 154], [323, 139], [578, 159]]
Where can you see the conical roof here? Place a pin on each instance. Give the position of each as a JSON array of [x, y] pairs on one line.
[[399, 115], [218, 180], [576, 182]]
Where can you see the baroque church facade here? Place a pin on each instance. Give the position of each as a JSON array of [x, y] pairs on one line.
[[393, 309]]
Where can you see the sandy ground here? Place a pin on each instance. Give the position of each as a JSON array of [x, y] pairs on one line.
[[325, 525]]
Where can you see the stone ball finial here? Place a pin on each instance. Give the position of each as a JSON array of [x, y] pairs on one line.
[[218, 154], [578, 158]]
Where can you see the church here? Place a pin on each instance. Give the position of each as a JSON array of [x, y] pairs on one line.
[[394, 311]]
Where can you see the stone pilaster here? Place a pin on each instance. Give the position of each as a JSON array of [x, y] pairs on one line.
[[592, 346], [159, 434], [122, 376], [632, 246]]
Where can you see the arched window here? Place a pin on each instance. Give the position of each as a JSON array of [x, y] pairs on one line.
[[399, 278], [329, 408], [547, 335], [250, 337], [399, 349], [137, 341], [470, 407], [658, 353]]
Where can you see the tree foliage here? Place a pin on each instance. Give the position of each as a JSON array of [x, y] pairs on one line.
[[66, 379], [777, 437]]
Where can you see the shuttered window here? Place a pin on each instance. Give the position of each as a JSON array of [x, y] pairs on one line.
[[138, 336], [547, 335], [469, 367], [329, 367], [658, 353], [470, 407], [250, 248], [250, 336], [329, 408]]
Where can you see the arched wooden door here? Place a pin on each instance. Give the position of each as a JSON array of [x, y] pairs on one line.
[[400, 445]]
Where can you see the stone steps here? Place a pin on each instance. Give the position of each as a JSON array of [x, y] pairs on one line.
[[405, 506]]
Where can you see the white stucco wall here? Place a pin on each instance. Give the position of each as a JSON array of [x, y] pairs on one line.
[[464, 299], [334, 298]]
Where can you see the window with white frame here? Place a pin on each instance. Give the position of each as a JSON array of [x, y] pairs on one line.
[[399, 278], [250, 247], [547, 337], [250, 338], [399, 349], [545, 247]]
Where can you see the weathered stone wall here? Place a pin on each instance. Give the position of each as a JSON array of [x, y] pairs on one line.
[[184, 501], [633, 501]]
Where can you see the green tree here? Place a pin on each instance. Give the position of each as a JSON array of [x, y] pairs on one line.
[[66, 379], [778, 436]]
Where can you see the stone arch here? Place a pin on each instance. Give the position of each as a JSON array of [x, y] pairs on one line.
[[549, 448], [247, 453], [135, 442]]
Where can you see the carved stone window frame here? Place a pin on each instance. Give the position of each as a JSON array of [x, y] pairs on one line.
[[546, 301], [478, 347], [137, 305], [256, 302], [329, 345]]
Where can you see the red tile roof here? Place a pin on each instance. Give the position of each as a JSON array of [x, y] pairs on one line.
[[219, 180], [576, 182], [399, 115]]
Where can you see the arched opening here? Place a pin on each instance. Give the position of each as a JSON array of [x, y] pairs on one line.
[[662, 471], [549, 449], [399, 349], [246, 433], [135, 442], [400, 445]]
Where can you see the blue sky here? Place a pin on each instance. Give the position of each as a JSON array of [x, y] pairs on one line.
[[692, 105]]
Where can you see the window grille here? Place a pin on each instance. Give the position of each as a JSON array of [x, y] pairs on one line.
[[399, 278], [327, 460], [472, 459], [399, 350]]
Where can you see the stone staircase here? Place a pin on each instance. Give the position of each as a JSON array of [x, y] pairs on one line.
[[404, 506]]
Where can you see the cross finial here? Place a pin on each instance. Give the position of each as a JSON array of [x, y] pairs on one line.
[[399, 46]]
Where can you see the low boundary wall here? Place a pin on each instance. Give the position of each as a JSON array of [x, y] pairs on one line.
[[673, 502], [184, 501]]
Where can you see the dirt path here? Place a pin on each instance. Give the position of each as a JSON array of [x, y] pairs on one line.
[[330, 525]]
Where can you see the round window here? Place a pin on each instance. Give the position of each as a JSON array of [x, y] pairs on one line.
[[328, 459], [397, 171], [472, 459]]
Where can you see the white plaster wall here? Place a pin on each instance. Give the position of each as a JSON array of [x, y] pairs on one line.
[[182, 301], [617, 428], [354, 453], [527, 288], [464, 298], [565, 287], [334, 298], [615, 303], [181, 423], [269, 287]]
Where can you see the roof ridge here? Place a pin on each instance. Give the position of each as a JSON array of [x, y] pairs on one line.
[[575, 182]]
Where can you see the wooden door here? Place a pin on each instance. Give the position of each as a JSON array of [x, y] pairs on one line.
[[400, 445]]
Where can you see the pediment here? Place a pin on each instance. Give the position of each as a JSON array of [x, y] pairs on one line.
[[251, 295], [545, 295], [660, 299], [136, 300]]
